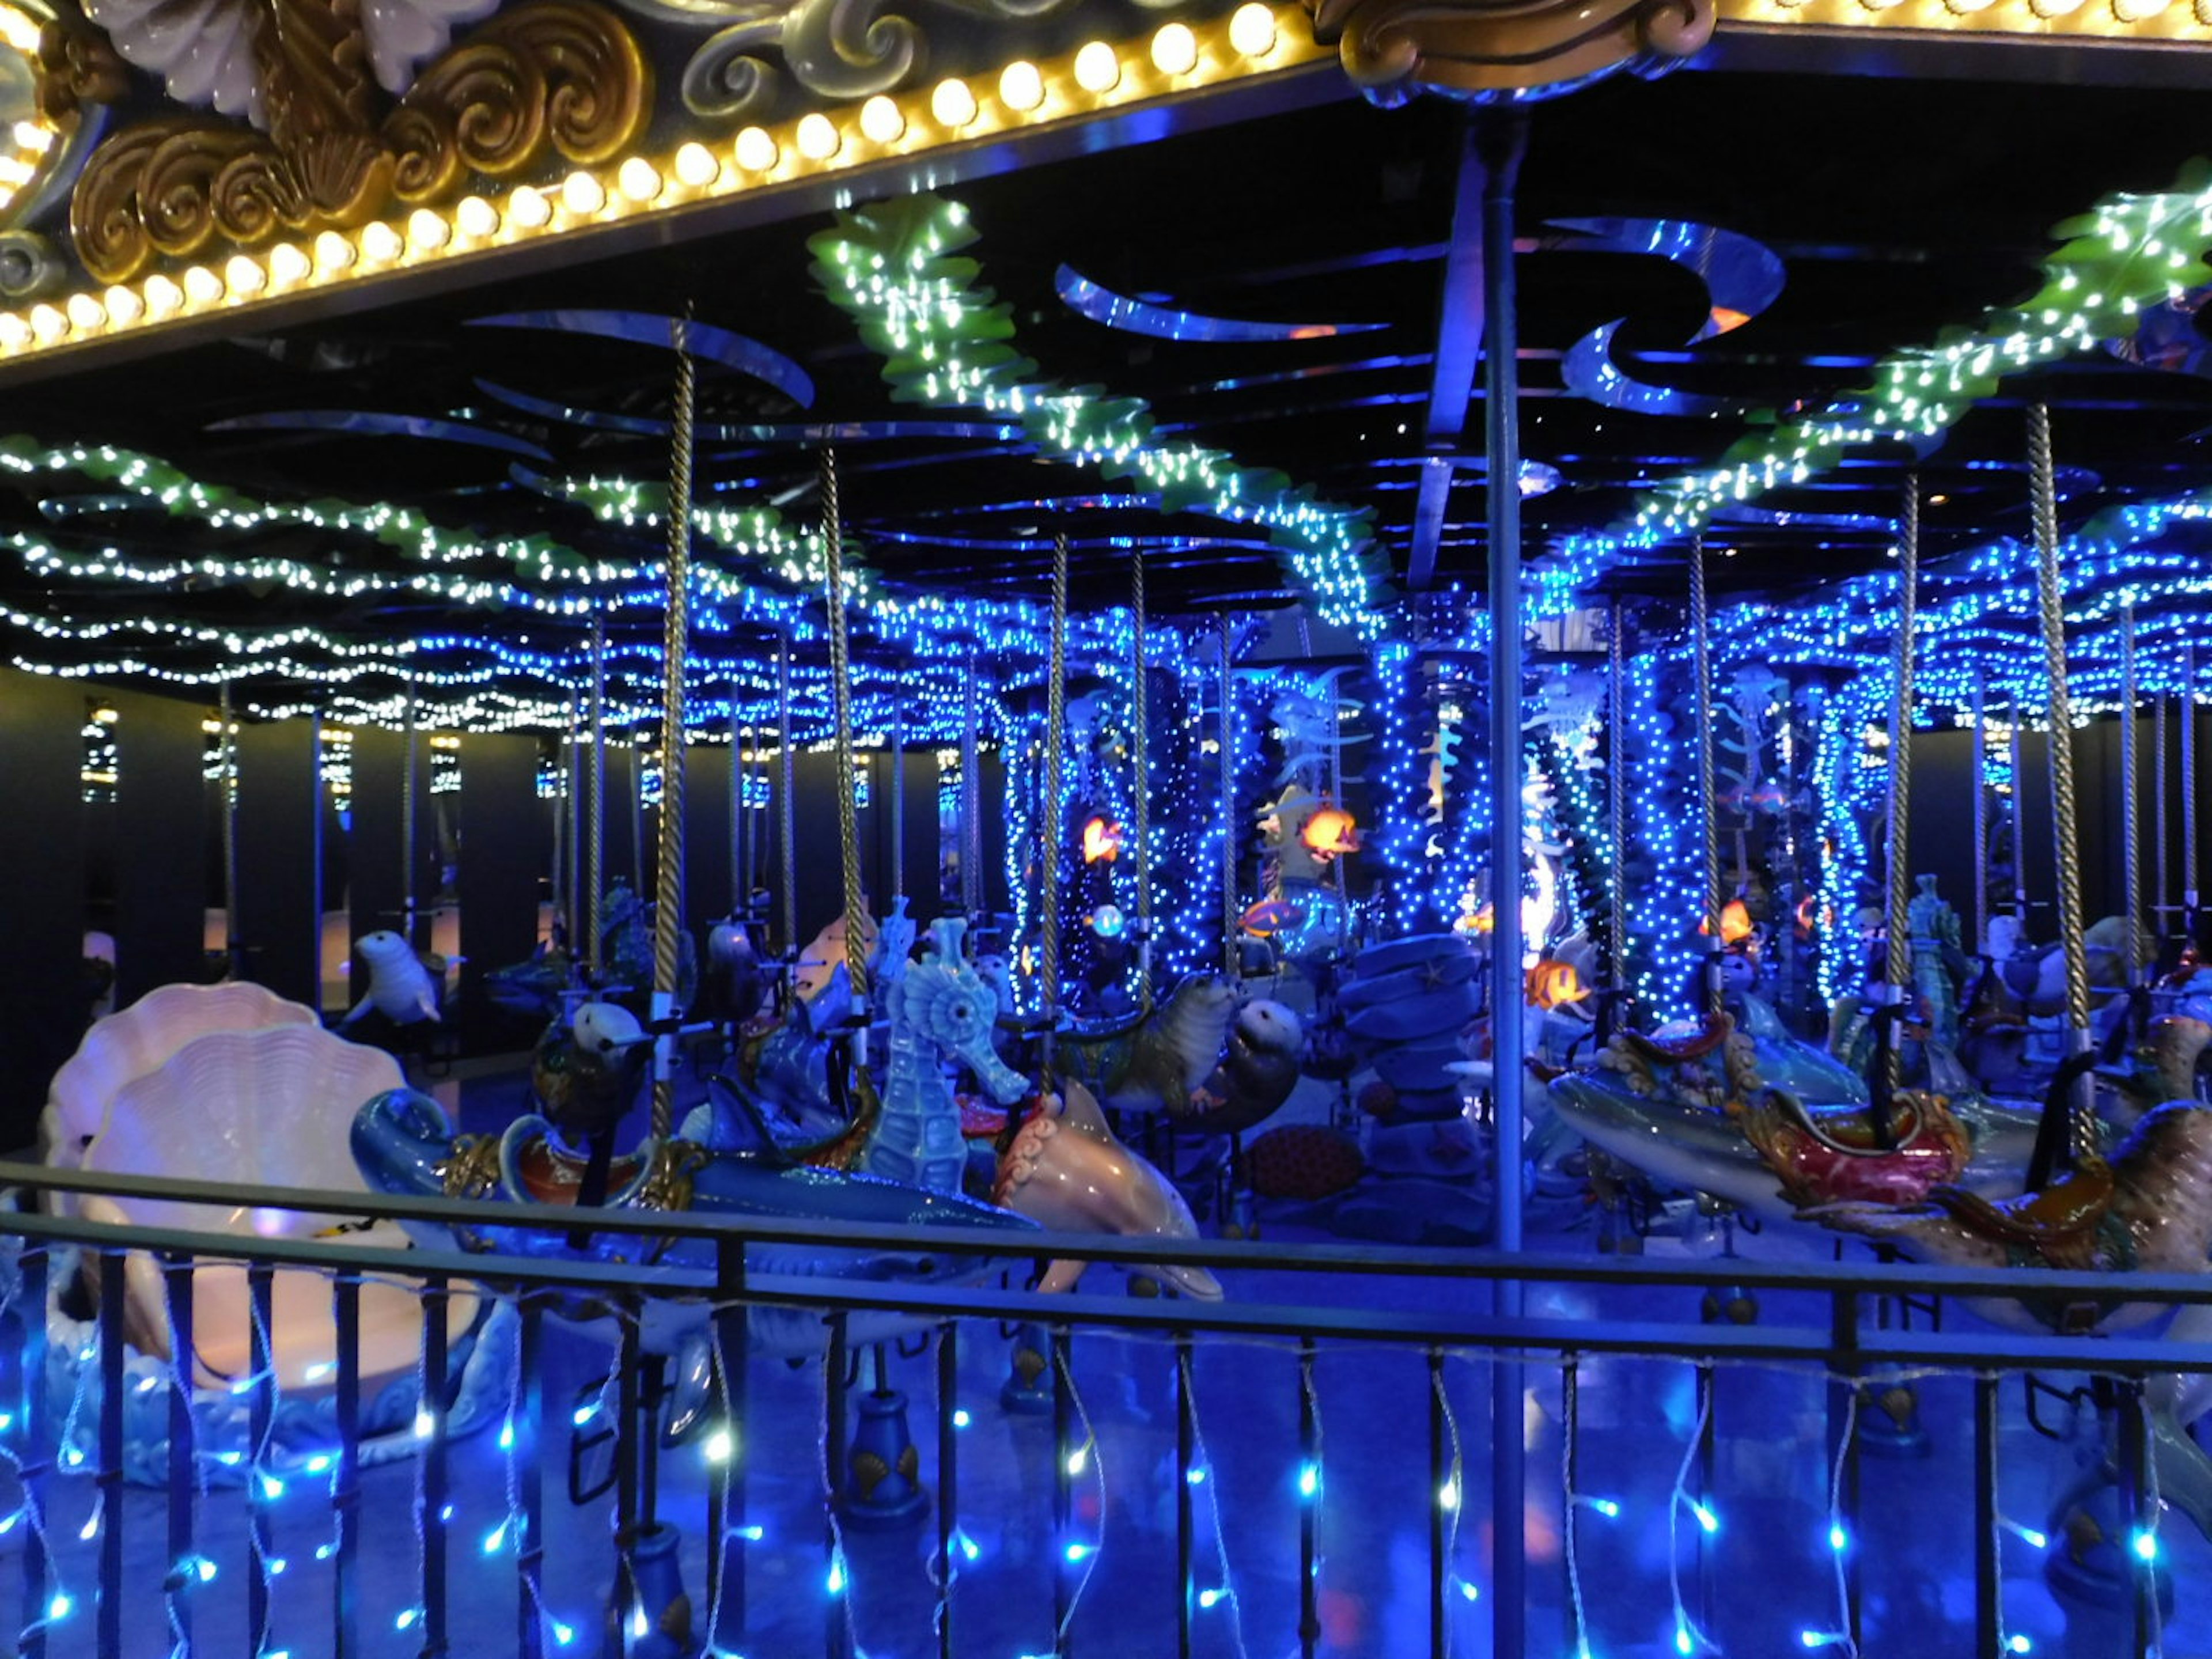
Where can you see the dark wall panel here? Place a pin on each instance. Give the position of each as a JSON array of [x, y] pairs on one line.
[[506, 845], [623, 818], [373, 860], [42, 1005], [161, 891], [280, 857], [706, 834]]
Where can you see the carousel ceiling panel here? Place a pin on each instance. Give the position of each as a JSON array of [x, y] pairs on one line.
[[1730, 243]]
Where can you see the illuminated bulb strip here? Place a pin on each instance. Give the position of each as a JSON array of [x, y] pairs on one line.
[[2125, 19], [1100, 79]]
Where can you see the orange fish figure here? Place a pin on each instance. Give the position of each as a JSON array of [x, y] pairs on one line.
[[1735, 922], [1268, 917], [1555, 985], [1330, 833], [1101, 840], [1477, 922]]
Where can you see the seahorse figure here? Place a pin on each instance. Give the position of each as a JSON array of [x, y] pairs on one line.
[[908, 1129]]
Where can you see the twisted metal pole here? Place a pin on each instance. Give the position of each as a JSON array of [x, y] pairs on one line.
[[1054, 829], [1709, 829], [1140, 803], [675, 647], [786, 828], [1616, 790], [595, 880], [840, 703], [971, 798], [1897, 969], [1232, 957], [2052, 594], [2130, 828], [407, 822]]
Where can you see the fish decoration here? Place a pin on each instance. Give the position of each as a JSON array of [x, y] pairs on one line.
[[1101, 840], [1330, 833]]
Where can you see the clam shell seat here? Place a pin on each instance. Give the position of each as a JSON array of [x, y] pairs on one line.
[[274, 1107], [139, 1040]]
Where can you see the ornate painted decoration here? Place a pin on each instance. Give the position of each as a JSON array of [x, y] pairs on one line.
[[316, 151], [1505, 50]]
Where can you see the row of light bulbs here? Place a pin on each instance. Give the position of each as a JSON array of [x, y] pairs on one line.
[[1098, 77], [2075, 16]]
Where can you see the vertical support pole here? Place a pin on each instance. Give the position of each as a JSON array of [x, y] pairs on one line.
[[1979, 772], [1232, 956], [2051, 597], [572, 808], [430, 1414], [345, 1483], [2016, 747], [228, 742], [1708, 834], [1989, 1579], [841, 704], [631, 1443], [1309, 1504], [1063, 1491], [595, 871], [726, 1559], [895, 744], [2130, 816], [184, 1445], [971, 798], [261, 1415], [1141, 802], [1616, 811], [741, 824], [838, 1624], [948, 1481], [529, 1443], [1501, 138], [1439, 1532], [409, 902], [2162, 894], [37, 1467], [108, 1478], [1708, 1449], [1186, 1438], [786, 807], [1843, 1449], [1898, 926], [1053, 826], [2142, 1511], [675, 650], [2188, 713]]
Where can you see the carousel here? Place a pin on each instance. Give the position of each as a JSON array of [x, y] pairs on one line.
[[1007, 828]]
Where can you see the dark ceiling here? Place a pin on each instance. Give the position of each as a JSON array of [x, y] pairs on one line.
[[1897, 208]]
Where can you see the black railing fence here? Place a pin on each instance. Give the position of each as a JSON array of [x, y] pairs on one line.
[[1310, 1467]]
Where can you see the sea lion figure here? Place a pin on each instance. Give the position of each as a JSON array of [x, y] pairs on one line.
[[1255, 1077], [1144, 1064], [399, 985]]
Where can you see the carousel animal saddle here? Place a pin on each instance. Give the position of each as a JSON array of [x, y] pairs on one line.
[[2063, 1224]]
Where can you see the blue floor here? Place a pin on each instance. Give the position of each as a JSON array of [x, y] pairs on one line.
[[1761, 1585]]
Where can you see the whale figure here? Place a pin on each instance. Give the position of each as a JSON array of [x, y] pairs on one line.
[[399, 985], [1065, 1170], [404, 1145]]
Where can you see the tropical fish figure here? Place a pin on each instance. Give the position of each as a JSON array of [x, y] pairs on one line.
[[1143, 1064], [1330, 833], [1101, 840], [400, 986], [1065, 1170]]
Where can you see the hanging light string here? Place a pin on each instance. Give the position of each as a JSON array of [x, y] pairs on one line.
[[1616, 785], [1981, 894], [1708, 829], [841, 700], [786, 832], [1140, 805], [595, 876], [1898, 966], [2052, 592], [2130, 828], [1056, 743], [668, 897]]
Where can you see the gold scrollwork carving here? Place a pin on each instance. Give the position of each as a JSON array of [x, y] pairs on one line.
[[76, 66], [560, 74], [1500, 50]]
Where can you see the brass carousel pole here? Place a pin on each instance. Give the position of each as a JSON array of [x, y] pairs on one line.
[[676, 646], [840, 705], [1140, 813], [1898, 967], [1054, 829]]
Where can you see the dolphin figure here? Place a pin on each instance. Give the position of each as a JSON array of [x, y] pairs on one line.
[[405, 1146]]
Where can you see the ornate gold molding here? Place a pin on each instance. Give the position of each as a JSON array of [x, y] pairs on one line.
[[1503, 49], [564, 75]]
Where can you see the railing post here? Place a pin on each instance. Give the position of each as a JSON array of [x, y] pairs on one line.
[[1186, 1441], [528, 1436], [109, 1479], [1842, 1448], [38, 1454], [725, 1486], [430, 1414], [184, 1481], [1439, 1474], [1063, 1493], [345, 1487], [260, 1288], [948, 1478], [1309, 1487], [1989, 1576]]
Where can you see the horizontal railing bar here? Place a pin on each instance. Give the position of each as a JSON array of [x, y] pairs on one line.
[[1810, 1342], [1892, 1278]]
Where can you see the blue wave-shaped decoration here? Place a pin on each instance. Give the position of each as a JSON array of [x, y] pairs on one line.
[[1103, 306]]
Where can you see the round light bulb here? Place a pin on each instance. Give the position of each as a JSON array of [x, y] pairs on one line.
[[476, 218], [86, 313], [697, 167], [755, 152], [637, 179], [163, 296], [2137, 11], [123, 305], [332, 251], [379, 243], [582, 195], [201, 286], [818, 137], [952, 104], [289, 263], [15, 332], [527, 207], [1020, 86], [244, 275], [1252, 29], [48, 325], [1175, 50], [881, 122], [1097, 68]]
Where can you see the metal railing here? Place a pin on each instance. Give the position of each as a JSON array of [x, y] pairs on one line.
[[1850, 1330]]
